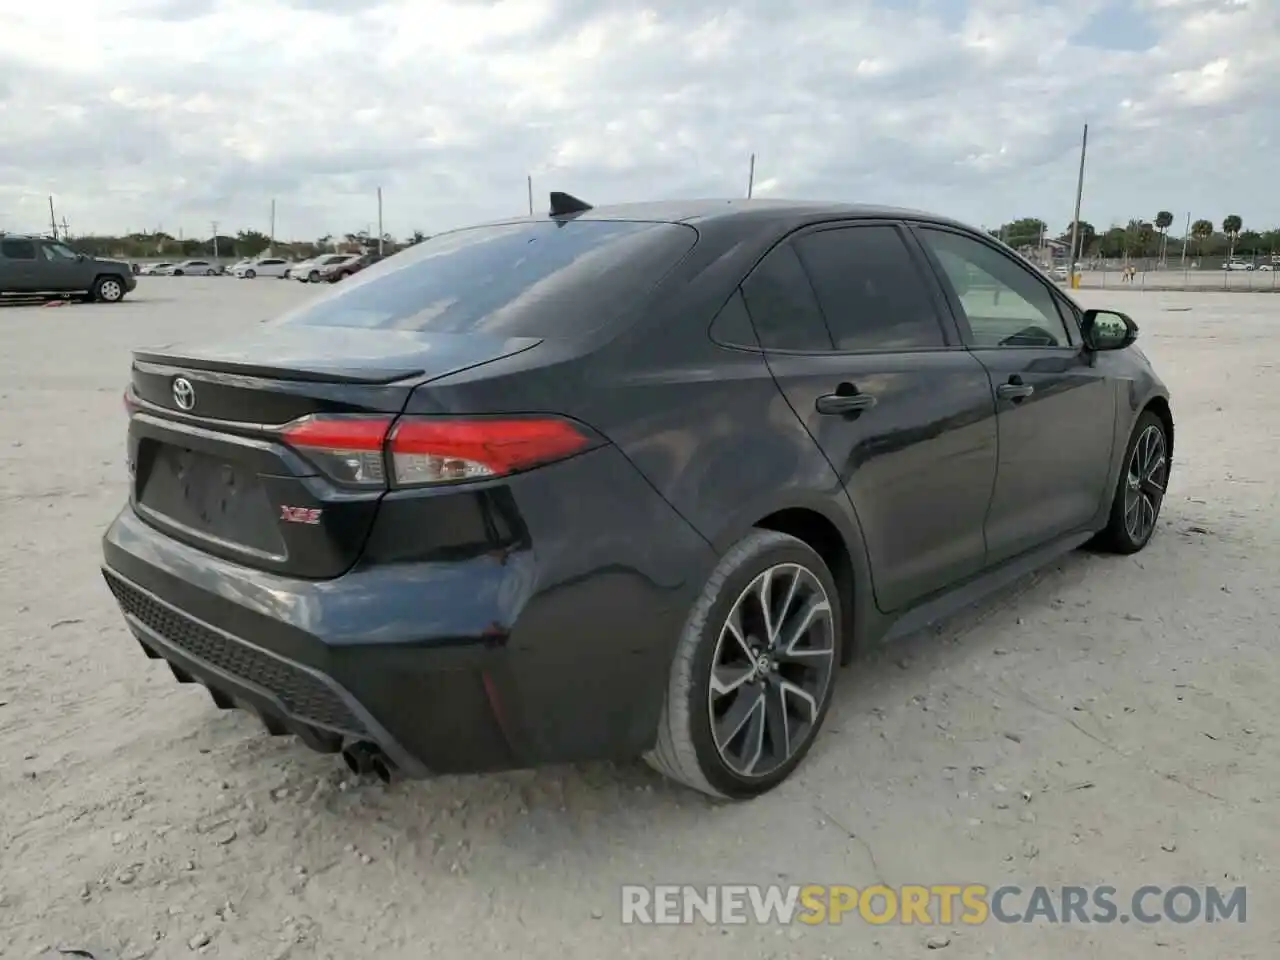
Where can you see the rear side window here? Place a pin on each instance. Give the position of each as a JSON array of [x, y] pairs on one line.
[[782, 306], [542, 279], [732, 325], [17, 249], [870, 291]]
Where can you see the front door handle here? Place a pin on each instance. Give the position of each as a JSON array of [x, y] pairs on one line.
[[1015, 390], [837, 404]]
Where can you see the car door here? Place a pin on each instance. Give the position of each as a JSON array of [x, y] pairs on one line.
[[19, 268], [63, 269], [854, 330], [1056, 408]]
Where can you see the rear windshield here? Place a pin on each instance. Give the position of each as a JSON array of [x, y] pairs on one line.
[[541, 279]]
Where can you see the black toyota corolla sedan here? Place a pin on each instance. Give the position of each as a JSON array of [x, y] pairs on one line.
[[621, 482]]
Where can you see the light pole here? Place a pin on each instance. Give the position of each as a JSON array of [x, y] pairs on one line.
[[1075, 221]]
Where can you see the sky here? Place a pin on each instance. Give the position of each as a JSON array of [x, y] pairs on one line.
[[172, 114]]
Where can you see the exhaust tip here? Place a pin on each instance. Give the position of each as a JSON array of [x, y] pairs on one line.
[[359, 758], [384, 769]]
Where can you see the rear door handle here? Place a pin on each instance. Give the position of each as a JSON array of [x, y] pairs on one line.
[[835, 404]]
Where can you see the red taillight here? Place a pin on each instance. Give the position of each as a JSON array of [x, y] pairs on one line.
[[347, 448], [428, 450]]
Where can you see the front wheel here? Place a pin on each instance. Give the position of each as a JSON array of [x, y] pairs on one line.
[[753, 672], [1141, 488], [249, 274], [177, 273], [313, 276], [108, 290]]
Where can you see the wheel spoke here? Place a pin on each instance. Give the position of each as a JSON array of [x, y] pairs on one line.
[[776, 718], [816, 611], [733, 628], [727, 678]]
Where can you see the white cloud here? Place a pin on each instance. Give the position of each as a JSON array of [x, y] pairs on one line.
[[138, 113]]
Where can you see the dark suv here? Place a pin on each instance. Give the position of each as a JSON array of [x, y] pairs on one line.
[[35, 265]]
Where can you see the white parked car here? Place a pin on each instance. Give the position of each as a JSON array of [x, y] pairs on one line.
[[195, 268], [1267, 267], [312, 271], [264, 267], [1237, 265], [155, 269]]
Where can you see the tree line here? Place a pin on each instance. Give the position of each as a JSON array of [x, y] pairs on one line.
[[245, 243], [1148, 239]]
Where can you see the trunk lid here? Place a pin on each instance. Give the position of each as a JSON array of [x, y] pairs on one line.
[[207, 462]]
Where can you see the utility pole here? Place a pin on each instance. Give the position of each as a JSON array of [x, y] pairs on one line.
[[215, 239], [530, 195], [379, 221], [1185, 238], [53, 221], [751, 177], [271, 240], [1075, 221]]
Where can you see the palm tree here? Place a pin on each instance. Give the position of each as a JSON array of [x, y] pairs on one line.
[[1231, 227], [1164, 220], [1202, 230]]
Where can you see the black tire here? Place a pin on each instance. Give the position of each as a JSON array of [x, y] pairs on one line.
[[250, 274], [211, 273], [108, 289], [1147, 452], [687, 749], [313, 276], [177, 273]]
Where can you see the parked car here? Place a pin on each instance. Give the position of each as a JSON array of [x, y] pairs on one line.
[[38, 265], [621, 482], [1267, 267], [157, 269], [341, 269], [313, 271], [1237, 265], [265, 267], [195, 268]]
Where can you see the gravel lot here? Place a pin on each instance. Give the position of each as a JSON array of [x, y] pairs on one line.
[[1103, 722]]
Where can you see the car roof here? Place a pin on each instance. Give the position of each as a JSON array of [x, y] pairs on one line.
[[787, 214]]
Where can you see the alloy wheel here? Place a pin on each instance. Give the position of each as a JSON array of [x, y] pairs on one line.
[[771, 669], [1145, 485], [110, 291]]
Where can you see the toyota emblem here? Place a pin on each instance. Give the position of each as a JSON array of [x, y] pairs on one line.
[[184, 394]]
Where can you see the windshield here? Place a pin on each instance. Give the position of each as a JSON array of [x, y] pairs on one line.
[[540, 279]]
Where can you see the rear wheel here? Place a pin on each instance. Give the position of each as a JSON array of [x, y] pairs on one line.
[[753, 672], [313, 276], [211, 272], [1140, 489], [108, 290]]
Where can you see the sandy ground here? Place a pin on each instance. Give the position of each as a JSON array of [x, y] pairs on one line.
[[1106, 722]]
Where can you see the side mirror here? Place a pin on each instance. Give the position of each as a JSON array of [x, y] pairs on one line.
[[1107, 330]]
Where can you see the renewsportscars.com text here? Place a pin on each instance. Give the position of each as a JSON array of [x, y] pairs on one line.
[[927, 905]]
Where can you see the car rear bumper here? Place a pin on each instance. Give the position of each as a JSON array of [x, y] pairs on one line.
[[556, 653]]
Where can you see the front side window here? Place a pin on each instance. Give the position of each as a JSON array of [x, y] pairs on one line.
[[1005, 304], [56, 251]]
